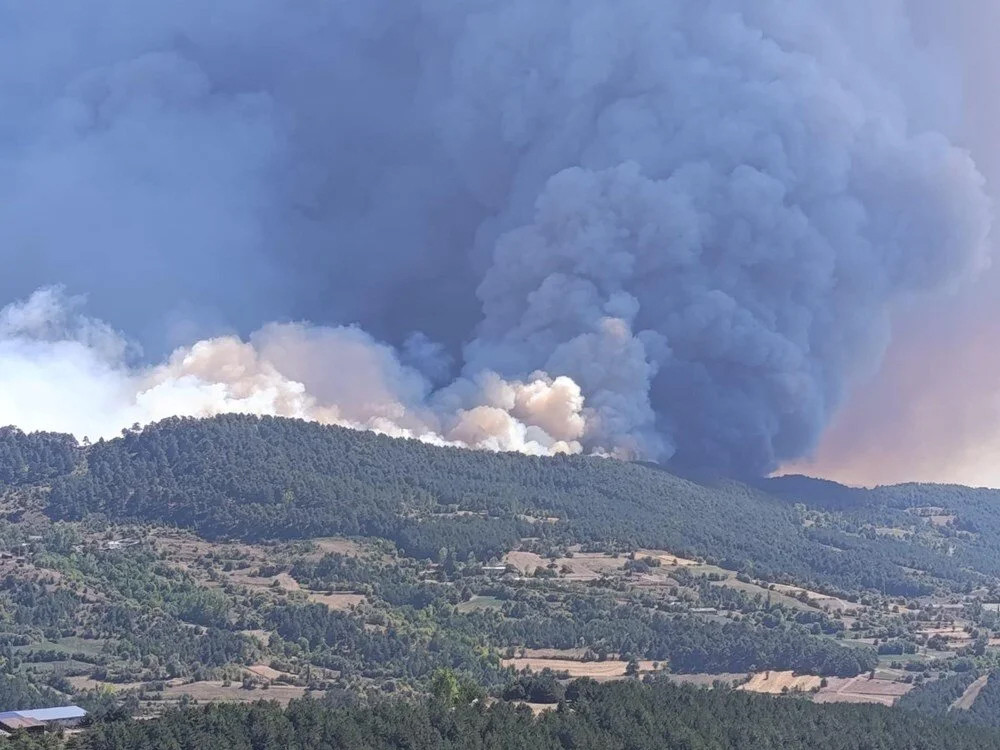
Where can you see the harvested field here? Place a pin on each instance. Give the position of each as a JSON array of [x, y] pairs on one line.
[[666, 558], [965, 701], [284, 581], [822, 601], [583, 566], [209, 691], [537, 708], [861, 690], [777, 596], [339, 601], [82, 682], [525, 562], [780, 682], [599, 670]]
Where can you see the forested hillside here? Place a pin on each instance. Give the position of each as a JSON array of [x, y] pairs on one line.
[[591, 717], [254, 478], [203, 560]]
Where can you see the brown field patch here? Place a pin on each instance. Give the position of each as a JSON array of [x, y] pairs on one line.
[[862, 690], [210, 691], [525, 562], [666, 558], [83, 682], [583, 566], [269, 673], [612, 669], [823, 601], [776, 596], [339, 601], [588, 566], [284, 581], [966, 699], [537, 708], [779, 682]]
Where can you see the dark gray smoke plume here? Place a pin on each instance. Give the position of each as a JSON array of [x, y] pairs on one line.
[[655, 228]]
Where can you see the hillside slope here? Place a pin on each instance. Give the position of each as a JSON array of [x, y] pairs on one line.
[[247, 477]]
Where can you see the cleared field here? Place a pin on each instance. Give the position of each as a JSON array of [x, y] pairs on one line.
[[82, 682], [215, 691], [537, 708], [820, 600], [583, 566], [284, 581], [780, 682], [339, 601], [666, 558], [777, 597], [965, 701], [862, 690], [598, 670], [950, 634], [525, 562]]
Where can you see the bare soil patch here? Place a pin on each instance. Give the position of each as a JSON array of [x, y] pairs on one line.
[[862, 690], [965, 701], [598, 670], [823, 601], [781, 682], [215, 691], [666, 558], [525, 562]]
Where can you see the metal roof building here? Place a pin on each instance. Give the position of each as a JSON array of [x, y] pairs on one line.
[[38, 718]]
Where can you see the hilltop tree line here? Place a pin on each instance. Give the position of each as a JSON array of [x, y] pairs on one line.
[[239, 476]]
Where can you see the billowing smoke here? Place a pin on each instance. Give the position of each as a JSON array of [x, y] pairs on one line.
[[66, 372], [647, 229]]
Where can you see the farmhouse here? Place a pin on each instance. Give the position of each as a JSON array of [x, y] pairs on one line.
[[40, 719]]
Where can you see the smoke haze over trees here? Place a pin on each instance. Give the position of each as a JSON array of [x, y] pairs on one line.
[[654, 229]]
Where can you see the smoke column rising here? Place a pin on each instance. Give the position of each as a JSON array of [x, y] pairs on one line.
[[646, 229]]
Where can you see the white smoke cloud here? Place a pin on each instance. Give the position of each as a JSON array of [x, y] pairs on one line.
[[60, 370], [655, 228]]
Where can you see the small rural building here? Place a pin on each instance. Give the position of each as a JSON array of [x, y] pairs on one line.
[[40, 719], [10, 722]]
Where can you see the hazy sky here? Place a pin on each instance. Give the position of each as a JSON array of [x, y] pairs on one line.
[[932, 412]]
